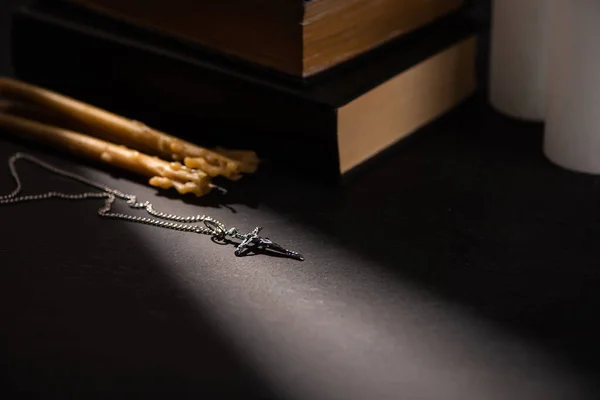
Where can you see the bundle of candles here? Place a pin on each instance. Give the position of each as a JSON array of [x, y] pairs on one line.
[[87, 131]]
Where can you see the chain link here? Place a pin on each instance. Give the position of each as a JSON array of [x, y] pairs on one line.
[[216, 229], [161, 219]]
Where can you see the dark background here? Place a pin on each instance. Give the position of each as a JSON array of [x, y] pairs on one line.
[[463, 266], [6, 8]]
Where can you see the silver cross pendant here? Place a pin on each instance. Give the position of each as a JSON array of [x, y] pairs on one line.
[[253, 241]]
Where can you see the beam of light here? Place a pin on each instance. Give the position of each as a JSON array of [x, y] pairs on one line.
[[317, 331], [343, 329]]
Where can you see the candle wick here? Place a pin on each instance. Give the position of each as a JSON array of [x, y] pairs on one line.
[[218, 188]]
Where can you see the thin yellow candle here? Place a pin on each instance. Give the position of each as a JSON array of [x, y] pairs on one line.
[[112, 127], [162, 173]]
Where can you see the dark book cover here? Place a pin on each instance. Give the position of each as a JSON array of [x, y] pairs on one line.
[[204, 97]]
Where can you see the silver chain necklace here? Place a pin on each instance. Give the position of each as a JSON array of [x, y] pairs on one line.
[[248, 242]]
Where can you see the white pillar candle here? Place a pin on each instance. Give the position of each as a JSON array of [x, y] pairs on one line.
[[572, 132], [518, 58]]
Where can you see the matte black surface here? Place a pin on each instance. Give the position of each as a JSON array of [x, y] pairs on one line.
[[463, 267], [474, 276]]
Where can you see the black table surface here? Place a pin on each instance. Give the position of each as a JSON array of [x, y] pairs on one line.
[[462, 266]]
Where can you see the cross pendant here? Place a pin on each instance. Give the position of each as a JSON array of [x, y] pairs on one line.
[[253, 241]]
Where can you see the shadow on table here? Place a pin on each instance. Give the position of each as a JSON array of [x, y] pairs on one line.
[[93, 313], [469, 210], [473, 212]]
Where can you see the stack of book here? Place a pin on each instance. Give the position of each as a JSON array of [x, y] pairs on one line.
[[322, 85]]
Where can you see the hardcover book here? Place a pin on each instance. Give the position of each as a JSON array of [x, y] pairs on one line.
[[296, 37], [326, 126]]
